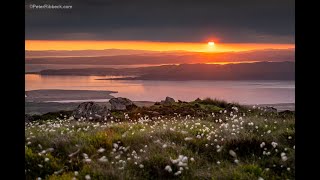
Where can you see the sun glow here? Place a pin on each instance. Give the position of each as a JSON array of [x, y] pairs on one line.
[[148, 45], [211, 43]]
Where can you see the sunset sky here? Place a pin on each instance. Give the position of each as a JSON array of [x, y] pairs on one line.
[[161, 25], [153, 46]]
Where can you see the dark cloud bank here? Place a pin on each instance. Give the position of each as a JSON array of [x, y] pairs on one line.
[[231, 21]]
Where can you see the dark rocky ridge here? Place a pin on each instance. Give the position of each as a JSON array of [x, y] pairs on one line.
[[92, 111]]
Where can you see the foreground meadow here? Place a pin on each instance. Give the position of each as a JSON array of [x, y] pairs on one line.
[[227, 141]]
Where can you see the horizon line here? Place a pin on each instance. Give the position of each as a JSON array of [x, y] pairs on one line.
[[74, 45]]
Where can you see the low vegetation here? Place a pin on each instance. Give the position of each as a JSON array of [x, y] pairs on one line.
[[203, 139]]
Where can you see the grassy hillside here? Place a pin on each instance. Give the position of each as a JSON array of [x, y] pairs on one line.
[[205, 139]]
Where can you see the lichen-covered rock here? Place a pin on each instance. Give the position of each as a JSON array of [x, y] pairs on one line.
[[121, 104], [168, 100], [91, 111]]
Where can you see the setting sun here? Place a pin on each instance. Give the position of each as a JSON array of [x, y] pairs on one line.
[[211, 43]]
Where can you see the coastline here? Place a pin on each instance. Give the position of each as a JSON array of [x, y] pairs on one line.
[[59, 95]]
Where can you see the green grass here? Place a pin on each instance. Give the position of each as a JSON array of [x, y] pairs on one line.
[[153, 144]]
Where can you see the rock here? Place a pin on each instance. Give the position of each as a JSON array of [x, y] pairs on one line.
[[121, 104], [155, 113], [168, 100], [157, 103], [182, 102], [197, 100], [270, 109], [28, 118], [286, 113], [90, 111]]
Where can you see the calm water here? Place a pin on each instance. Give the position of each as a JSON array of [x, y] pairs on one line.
[[245, 92]]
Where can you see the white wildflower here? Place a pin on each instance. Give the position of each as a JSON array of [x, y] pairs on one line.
[[182, 164], [103, 159], [164, 146], [177, 173], [232, 153], [184, 159], [168, 168], [85, 155], [174, 161], [284, 157], [101, 150], [274, 144], [87, 177], [184, 132]]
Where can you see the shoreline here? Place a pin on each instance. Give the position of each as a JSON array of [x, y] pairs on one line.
[[60, 95]]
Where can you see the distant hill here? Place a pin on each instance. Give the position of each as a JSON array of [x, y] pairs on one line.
[[84, 53], [245, 71], [118, 57], [242, 71]]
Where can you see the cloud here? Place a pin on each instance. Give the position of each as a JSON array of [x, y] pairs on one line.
[[165, 20]]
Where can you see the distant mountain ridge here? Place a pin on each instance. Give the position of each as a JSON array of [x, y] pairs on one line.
[[117, 57], [243, 71], [84, 53]]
